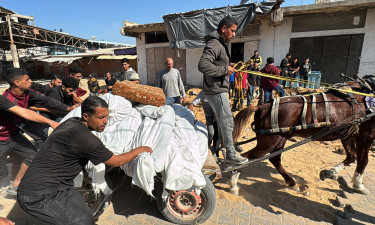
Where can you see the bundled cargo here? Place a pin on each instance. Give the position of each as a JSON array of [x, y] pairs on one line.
[[139, 93]]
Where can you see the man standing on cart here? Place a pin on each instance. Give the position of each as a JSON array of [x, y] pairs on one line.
[[216, 69]]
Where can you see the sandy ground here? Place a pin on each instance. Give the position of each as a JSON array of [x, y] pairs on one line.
[[261, 185]]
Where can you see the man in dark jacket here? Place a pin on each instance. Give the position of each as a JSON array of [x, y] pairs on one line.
[[270, 84], [216, 69]]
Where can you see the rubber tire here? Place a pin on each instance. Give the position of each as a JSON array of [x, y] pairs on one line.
[[209, 207]]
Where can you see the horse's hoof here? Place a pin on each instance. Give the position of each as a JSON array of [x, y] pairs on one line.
[[362, 191], [295, 188], [234, 191]]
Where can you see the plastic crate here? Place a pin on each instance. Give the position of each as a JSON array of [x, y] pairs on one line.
[[315, 77]]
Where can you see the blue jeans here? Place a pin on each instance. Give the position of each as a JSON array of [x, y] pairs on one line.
[[268, 93], [250, 94], [177, 99]]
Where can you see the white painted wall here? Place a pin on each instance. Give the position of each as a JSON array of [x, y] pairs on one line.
[[141, 58], [275, 41], [193, 76], [367, 65]]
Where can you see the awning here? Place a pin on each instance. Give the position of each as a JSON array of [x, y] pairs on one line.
[[187, 30], [117, 57], [67, 60]]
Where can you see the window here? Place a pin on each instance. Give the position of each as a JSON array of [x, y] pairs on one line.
[[156, 37]]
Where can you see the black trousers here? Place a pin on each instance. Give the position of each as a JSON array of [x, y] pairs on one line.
[[61, 207], [19, 146]]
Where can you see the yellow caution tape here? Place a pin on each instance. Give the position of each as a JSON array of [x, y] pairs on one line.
[[330, 86]]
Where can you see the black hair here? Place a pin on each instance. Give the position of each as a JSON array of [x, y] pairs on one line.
[[13, 74], [125, 60], [256, 51], [70, 82], [56, 76], [227, 21], [90, 104], [288, 54], [38, 87], [270, 60], [75, 69]]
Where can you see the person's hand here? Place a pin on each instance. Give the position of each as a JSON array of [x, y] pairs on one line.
[[230, 70], [183, 100], [70, 108], [142, 149], [191, 106], [4, 221], [54, 124]]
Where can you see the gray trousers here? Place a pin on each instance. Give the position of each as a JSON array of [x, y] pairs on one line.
[[220, 105]]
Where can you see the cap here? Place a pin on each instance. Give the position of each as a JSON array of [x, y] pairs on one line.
[[134, 76]]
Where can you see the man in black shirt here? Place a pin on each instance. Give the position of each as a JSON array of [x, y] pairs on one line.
[[46, 191], [56, 80], [64, 93], [284, 65], [20, 94]]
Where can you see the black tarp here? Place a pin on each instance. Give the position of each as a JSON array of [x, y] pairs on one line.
[[188, 30]]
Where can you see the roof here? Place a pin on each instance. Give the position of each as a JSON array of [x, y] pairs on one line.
[[330, 7], [6, 11], [132, 29], [117, 57]]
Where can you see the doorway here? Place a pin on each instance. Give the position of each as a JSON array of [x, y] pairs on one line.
[[237, 52]]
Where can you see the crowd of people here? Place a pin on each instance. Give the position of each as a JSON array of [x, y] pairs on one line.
[[242, 85], [44, 181]]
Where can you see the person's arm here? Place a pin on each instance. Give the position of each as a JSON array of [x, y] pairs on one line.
[[48, 102], [124, 158], [32, 116], [5, 221], [206, 66], [260, 62], [181, 87]]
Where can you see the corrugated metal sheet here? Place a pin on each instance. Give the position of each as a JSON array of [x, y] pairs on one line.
[[67, 60], [117, 57]]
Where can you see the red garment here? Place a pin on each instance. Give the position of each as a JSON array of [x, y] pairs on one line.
[[238, 79], [269, 83], [7, 126], [80, 92]]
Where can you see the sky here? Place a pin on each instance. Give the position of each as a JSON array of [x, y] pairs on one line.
[[103, 19]]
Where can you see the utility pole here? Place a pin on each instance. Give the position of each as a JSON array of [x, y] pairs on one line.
[[13, 47]]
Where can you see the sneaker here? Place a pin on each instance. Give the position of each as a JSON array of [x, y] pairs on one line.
[[236, 159], [238, 148], [11, 190]]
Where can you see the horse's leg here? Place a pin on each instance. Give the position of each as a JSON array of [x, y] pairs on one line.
[[233, 182], [276, 162], [349, 146], [363, 148]]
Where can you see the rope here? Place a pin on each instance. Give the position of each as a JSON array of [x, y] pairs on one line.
[[243, 65]]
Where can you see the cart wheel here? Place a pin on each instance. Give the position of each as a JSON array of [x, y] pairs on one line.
[[184, 207]]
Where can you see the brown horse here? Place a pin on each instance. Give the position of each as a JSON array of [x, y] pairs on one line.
[[356, 139]]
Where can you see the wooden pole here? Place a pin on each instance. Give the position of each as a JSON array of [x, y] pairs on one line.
[[13, 47]]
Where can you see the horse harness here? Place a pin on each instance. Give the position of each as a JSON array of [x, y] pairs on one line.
[[275, 117]]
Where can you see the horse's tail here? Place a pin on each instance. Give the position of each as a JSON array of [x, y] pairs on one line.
[[241, 119]]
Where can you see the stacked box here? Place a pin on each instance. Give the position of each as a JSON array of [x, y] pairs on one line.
[[139, 93]]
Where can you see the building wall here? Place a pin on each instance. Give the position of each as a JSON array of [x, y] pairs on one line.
[[193, 76], [273, 41], [367, 65], [141, 57]]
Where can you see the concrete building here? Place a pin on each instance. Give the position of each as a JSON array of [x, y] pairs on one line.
[[336, 36]]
